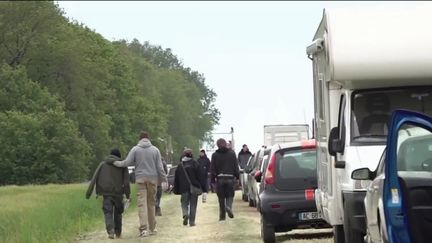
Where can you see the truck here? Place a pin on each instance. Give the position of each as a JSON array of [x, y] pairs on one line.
[[276, 134], [366, 63]]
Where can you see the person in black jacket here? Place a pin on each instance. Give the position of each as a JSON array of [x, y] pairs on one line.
[[225, 171], [111, 182], [182, 186], [204, 163]]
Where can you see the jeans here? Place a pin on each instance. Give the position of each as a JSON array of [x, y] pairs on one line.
[[113, 209], [189, 206], [225, 193], [146, 197]]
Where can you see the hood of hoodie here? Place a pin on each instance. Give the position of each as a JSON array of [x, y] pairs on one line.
[[111, 158], [144, 143], [222, 150]]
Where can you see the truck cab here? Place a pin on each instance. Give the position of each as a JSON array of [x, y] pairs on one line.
[[366, 64]]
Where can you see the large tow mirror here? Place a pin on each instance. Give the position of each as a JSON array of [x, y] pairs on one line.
[[362, 174], [335, 145]]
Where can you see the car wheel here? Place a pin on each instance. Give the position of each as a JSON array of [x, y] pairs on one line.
[[244, 197], [351, 235], [267, 232], [251, 202], [338, 234]]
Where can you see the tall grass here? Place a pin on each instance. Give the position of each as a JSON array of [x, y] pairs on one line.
[[49, 213]]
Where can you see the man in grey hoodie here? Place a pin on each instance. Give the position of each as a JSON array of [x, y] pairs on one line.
[[148, 171]]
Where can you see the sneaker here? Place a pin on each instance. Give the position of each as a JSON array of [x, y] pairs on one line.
[[144, 233], [192, 224], [111, 236], [118, 235], [229, 212], [204, 197], [153, 232], [185, 220]]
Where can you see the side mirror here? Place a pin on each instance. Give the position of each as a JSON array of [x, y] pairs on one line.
[[362, 174], [258, 176], [335, 145], [241, 171]]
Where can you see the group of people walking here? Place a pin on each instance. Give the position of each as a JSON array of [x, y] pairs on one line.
[[192, 179]]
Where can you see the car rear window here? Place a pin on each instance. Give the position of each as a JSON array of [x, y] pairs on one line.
[[296, 169]]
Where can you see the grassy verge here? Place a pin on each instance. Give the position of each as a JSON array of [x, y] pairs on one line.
[[49, 213]]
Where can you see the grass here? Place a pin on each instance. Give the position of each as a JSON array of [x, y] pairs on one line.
[[48, 213]]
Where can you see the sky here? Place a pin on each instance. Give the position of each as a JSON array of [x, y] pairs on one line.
[[252, 54]]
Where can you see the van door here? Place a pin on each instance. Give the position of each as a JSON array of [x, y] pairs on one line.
[[407, 190]]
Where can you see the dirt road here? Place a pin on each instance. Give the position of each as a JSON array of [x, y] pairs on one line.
[[245, 227]]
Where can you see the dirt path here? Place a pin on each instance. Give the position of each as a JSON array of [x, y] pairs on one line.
[[245, 227]]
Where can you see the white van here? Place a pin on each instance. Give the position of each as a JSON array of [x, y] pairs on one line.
[[366, 63]]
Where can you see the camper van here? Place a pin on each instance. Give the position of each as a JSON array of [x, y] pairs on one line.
[[366, 64]]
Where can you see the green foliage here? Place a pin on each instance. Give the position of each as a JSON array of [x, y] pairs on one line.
[[49, 213], [68, 95]]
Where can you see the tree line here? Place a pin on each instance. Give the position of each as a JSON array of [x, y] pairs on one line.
[[68, 95]]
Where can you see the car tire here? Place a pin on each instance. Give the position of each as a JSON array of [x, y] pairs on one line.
[[351, 235], [251, 202], [267, 232], [338, 234], [244, 197]]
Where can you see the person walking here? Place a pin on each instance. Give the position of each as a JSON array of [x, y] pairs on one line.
[[243, 156], [111, 183], [204, 164], [159, 190], [225, 171], [187, 176], [148, 171]]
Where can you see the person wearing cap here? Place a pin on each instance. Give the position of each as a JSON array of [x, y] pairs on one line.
[[111, 183], [225, 171], [204, 163], [183, 183]]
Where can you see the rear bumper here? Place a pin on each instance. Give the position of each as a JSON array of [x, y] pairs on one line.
[[354, 203], [281, 210]]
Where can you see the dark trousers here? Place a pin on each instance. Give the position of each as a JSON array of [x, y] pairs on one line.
[[113, 209], [158, 197], [189, 206], [225, 193]]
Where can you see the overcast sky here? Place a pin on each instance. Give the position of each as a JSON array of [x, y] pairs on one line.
[[252, 54]]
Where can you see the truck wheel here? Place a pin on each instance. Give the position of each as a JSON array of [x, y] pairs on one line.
[[267, 232], [351, 235], [244, 197], [338, 234]]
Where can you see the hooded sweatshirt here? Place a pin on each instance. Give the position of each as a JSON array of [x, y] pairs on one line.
[[224, 161], [243, 158], [147, 161], [109, 179], [181, 183]]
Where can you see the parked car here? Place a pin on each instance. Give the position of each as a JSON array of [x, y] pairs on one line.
[[170, 178], [249, 168], [287, 201], [253, 185], [243, 180], [398, 202], [260, 172]]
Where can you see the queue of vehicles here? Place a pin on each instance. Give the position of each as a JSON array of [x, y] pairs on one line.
[[373, 155], [370, 178]]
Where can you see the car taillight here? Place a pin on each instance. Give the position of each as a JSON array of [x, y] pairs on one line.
[[310, 194], [269, 176]]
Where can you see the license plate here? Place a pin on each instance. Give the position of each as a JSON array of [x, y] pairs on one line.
[[309, 216]]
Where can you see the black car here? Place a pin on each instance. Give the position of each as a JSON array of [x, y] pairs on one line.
[[287, 201]]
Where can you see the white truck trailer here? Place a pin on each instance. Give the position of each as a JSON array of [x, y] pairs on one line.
[[276, 134], [366, 63]]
